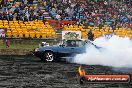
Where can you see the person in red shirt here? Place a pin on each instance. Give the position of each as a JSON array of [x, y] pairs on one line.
[[7, 45]]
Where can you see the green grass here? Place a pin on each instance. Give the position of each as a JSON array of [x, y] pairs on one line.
[[18, 46]]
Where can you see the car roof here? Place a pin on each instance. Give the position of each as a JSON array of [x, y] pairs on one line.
[[75, 39]]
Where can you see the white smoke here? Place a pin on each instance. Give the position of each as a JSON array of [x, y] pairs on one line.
[[115, 52]]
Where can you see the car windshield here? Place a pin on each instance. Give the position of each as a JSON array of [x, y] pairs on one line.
[[74, 43]]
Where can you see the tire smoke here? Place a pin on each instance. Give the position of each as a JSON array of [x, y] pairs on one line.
[[115, 52]]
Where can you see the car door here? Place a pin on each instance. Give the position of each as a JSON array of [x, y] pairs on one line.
[[67, 49], [80, 47]]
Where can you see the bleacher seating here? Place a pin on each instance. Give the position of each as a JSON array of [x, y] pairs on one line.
[[38, 29], [35, 29], [122, 32]]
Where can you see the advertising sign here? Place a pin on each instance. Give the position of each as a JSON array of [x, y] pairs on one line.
[[101, 78], [108, 36], [71, 34]]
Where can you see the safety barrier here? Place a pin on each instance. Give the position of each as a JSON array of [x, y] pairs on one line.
[[59, 24]]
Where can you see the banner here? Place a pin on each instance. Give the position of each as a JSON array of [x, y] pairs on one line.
[[101, 78], [108, 36], [71, 34], [2, 33]]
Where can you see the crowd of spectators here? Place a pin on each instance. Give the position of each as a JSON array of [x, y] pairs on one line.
[[114, 13], [23, 10], [93, 12]]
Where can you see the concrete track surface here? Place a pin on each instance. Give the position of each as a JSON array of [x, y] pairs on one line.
[[30, 72]]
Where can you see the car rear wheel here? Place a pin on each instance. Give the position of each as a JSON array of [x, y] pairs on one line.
[[48, 57]]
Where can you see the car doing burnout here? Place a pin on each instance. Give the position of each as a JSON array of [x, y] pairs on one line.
[[66, 50]]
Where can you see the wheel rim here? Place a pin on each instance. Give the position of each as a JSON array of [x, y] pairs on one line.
[[49, 57]]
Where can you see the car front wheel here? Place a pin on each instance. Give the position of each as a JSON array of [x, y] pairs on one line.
[[48, 56]]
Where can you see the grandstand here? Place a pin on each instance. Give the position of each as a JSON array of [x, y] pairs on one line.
[[44, 18], [36, 29]]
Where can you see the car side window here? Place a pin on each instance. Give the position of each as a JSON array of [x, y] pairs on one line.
[[80, 43], [70, 43]]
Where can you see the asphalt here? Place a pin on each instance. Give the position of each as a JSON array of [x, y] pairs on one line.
[[30, 72]]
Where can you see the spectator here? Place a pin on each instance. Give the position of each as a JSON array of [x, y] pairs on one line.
[[7, 44], [90, 35]]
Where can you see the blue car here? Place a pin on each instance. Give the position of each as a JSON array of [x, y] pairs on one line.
[[68, 49]]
